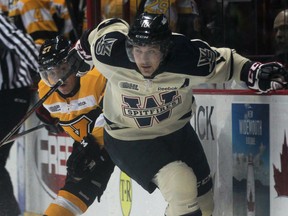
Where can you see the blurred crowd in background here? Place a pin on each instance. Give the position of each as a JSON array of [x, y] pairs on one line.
[[246, 25], [251, 27]]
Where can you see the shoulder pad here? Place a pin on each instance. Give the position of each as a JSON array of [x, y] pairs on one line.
[[111, 21]]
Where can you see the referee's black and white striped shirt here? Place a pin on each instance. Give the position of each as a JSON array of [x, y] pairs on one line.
[[18, 56]]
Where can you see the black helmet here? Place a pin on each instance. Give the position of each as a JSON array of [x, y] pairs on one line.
[[52, 56], [53, 51], [149, 29]]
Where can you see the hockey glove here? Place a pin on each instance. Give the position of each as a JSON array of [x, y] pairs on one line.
[[266, 77], [79, 57], [84, 158], [51, 124]]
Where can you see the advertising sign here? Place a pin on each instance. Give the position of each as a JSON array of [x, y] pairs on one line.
[[250, 144]]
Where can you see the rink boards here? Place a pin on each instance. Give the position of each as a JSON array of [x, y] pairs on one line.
[[232, 126]]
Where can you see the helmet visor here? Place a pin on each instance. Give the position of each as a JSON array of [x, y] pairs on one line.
[[51, 75]]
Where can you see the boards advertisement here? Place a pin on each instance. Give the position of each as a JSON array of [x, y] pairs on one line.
[[245, 140]]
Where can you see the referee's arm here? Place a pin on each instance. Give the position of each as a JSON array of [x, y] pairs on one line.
[[16, 41]]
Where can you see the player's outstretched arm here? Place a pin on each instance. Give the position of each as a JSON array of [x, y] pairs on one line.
[[264, 78]]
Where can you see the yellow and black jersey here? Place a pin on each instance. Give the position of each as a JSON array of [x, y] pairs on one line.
[[81, 113], [166, 7], [171, 8], [4, 6], [111, 8], [37, 18], [63, 13]]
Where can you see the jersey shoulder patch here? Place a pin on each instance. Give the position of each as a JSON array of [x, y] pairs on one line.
[[110, 49], [191, 57]]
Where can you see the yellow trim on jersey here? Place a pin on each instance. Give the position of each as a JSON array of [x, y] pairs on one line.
[[60, 208], [3, 8], [55, 210], [60, 2], [182, 10], [44, 26], [74, 199], [28, 5], [159, 6], [98, 133], [23, 6], [37, 16]]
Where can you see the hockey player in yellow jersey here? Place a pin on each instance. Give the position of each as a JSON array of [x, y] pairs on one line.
[[42, 19], [76, 105], [4, 5]]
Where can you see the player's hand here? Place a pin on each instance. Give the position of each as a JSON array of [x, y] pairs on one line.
[[79, 57], [51, 124], [267, 77], [84, 158]]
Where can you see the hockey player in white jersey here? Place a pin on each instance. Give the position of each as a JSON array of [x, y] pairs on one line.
[[148, 102]]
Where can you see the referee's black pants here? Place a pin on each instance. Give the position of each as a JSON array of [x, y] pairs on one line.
[[14, 105]]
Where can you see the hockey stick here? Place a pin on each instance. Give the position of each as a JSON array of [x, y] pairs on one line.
[[73, 18], [14, 137], [36, 106]]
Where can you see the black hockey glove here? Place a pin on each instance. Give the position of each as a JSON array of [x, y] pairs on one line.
[[266, 77], [79, 57], [84, 158], [51, 124]]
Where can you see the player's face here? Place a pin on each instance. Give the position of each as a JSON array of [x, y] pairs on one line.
[[56, 73], [147, 58], [281, 36], [68, 85], [52, 74], [281, 32]]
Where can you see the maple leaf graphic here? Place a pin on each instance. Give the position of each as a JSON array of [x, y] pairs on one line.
[[281, 176]]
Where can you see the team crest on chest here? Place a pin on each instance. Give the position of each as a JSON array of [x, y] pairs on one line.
[[151, 108]]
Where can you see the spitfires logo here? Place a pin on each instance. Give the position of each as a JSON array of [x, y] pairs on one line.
[[51, 154], [104, 46], [151, 109], [125, 194]]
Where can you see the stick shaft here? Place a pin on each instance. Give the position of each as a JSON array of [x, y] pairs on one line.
[[16, 136], [36, 106]]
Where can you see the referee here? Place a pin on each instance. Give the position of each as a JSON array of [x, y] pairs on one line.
[[18, 59]]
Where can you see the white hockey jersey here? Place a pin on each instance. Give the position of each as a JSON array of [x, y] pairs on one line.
[[139, 108]]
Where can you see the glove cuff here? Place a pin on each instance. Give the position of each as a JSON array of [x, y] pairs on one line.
[[245, 71], [44, 116], [84, 41]]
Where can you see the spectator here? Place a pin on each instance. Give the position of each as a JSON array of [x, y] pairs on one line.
[[42, 19], [281, 37], [183, 15]]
